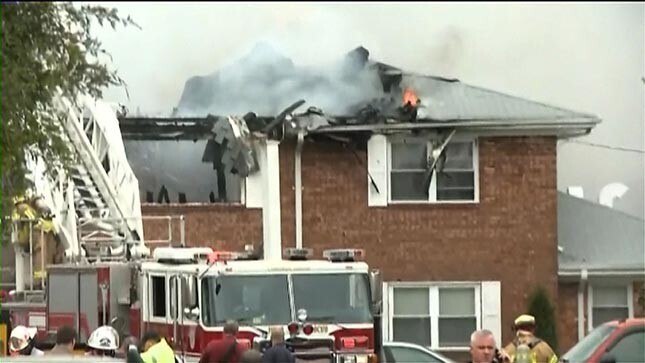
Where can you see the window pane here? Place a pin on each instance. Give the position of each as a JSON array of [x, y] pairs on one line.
[[158, 296], [455, 332], [411, 301], [412, 330], [408, 186], [630, 348], [409, 156], [609, 296], [602, 315], [455, 194], [450, 179], [459, 155], [457, 302]]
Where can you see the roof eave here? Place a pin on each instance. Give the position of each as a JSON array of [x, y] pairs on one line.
[[486, 127], [601, 272]]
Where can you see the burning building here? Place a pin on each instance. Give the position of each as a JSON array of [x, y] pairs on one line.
[[431, 176]]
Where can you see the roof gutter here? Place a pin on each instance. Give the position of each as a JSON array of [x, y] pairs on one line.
[[601, 272], [578, 127]]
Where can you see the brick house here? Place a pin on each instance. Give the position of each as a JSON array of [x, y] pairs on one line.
[[601, 266], [460, 246]]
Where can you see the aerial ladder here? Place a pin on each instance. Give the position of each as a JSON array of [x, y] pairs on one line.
[[96, 206]]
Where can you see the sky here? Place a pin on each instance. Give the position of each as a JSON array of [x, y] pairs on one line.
[[587, 57]]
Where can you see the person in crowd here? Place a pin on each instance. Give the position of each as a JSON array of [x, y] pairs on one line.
[[103, 342], [65, 341], [22, 341], [226, 350], [278, 352], [155, 349], [526, 347]]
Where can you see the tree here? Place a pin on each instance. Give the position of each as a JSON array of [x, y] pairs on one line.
[[47, 50], [541, 308]]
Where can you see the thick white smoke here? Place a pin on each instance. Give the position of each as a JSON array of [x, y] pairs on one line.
[[265, 82]]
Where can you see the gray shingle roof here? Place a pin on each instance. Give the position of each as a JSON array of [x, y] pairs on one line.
[[266, 82], [597, 237], [453, 100]]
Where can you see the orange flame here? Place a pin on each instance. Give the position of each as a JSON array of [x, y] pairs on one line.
[[410, 97]]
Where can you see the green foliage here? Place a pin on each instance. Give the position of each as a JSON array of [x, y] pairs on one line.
[[47, 50], [541, 308]]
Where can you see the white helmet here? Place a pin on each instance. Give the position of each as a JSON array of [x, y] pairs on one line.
[[104, 338], [20, 337]]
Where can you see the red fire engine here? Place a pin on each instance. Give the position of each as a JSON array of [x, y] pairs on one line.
[[325, 306], [329, 307]]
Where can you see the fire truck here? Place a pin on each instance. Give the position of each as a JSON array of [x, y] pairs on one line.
[[328, 307]]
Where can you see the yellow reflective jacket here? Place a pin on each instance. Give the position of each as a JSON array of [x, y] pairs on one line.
[[159, 353], [541, 352]]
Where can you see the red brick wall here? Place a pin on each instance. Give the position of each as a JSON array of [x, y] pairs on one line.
[[510, 235], [219, 226], [567, 315], [639, 299]]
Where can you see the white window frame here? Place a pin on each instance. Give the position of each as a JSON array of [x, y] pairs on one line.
[[590, 305], [432, 195], [433, 295], [151, 317]]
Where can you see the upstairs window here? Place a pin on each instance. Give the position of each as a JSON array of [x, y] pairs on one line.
[[400, 171]]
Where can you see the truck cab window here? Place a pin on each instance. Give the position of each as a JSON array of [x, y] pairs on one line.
[[158, 284]]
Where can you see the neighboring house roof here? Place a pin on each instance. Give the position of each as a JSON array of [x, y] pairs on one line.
[[598, 238], [265, 82]]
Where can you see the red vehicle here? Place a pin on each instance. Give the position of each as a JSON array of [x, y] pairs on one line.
[[326, 307], [618, 341]]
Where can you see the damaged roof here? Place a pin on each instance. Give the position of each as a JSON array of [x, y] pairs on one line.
[[445, 100], [597, 237], [265, 82]]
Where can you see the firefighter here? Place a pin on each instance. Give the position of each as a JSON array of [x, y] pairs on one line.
[[31, 213], [22, 342], [526, 347], [155, 349], [104, 341]]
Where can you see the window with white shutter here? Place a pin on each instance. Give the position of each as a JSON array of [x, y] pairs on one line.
[[398, 171], [441, 315]]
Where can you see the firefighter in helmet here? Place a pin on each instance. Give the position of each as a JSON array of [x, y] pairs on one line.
[[22, 342], [526, 347], [104, 341], [31, 217]]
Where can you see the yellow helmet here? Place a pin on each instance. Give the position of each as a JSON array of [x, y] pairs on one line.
[[19, 199], [525, 319]]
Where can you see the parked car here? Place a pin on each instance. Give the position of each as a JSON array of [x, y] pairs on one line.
[[618, 341], [400, 352]]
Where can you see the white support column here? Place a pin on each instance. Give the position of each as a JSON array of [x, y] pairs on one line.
[[271, 216], [20, 269], [298, 189]]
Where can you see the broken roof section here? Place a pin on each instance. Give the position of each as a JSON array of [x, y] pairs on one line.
[[598, 238], [265, 82]]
